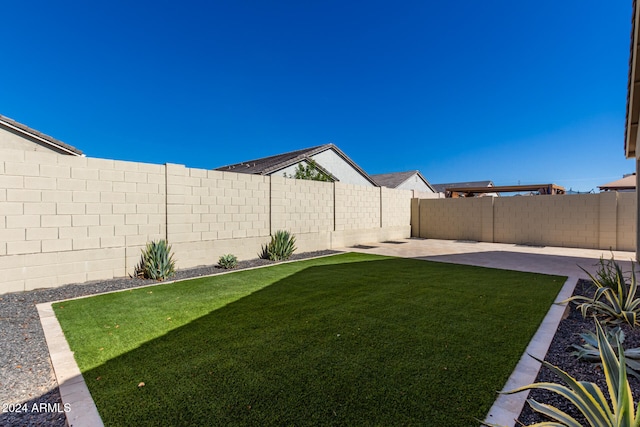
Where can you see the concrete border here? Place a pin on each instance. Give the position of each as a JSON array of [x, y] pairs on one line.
[[82, 410], [506, 409]]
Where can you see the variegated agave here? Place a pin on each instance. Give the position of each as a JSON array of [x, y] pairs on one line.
[[588, 397], [614, 301], [590, 351]]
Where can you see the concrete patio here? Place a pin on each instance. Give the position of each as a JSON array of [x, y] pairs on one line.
[[537, 259]]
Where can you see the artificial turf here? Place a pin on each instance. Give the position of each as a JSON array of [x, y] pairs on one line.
[[350, 339]]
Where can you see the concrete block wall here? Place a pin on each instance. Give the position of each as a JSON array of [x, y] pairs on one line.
[[396, 207], [602, 221], [207, 210], [301, 206], [626, 230], [357, 207], [569, 220], [455, 219], [70, 219]]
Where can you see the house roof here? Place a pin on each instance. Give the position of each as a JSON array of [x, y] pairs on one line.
[[39, 137], [395, 179], [626, 183], [268, 165], [441, 188], [633, 87]]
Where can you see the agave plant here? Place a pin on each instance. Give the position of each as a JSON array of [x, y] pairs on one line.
[[609, 272], [156, 261], [588, 397], [590, 351], [228, 261], [281, 246], [614, 301]]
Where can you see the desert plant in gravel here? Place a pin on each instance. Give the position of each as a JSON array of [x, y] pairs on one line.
[[590, 351], [281, 246], [588, 398], [156, 261], [614, 300], [228, 261]]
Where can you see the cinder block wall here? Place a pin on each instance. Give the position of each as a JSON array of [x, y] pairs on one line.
[[600, 221], [455, 219], [70, 219]]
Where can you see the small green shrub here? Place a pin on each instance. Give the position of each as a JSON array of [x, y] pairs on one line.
[[156, 261], [228, 261], [281, 246], [590, 351], [614, 300], [588, 397]]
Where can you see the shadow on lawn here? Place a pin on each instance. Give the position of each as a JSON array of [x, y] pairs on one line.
[[388, 342]]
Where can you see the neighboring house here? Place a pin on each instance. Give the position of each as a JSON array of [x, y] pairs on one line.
[[410, 180], [627, 183], [442, 188], [16, 136], [633, 105], [328, 159]]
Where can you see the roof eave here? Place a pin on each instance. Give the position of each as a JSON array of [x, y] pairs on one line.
[[48, 141], [633, 87]]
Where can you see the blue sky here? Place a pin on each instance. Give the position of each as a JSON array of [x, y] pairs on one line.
[[514, 92]]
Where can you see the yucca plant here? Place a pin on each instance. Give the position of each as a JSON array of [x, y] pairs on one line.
[[614, 300], [588, 397], [228, 261], [156, 261], [590, 351], [281, 246]]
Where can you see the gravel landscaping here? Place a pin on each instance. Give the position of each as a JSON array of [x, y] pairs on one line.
[[27, 381]]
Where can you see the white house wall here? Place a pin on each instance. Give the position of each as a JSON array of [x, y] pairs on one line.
[[333, 163], [339, 168], [415, 183]]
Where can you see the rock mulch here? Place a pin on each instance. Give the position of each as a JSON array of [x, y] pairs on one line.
[[28, 389]]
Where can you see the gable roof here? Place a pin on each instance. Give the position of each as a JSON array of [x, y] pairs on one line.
[[38, 137], [633, 86], [441, 188], [268, 165], [395, 179], [626, 183]]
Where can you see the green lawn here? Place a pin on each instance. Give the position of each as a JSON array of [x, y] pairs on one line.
[[350, 339]]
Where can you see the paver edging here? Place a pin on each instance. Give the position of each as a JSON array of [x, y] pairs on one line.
[[80, 408]]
